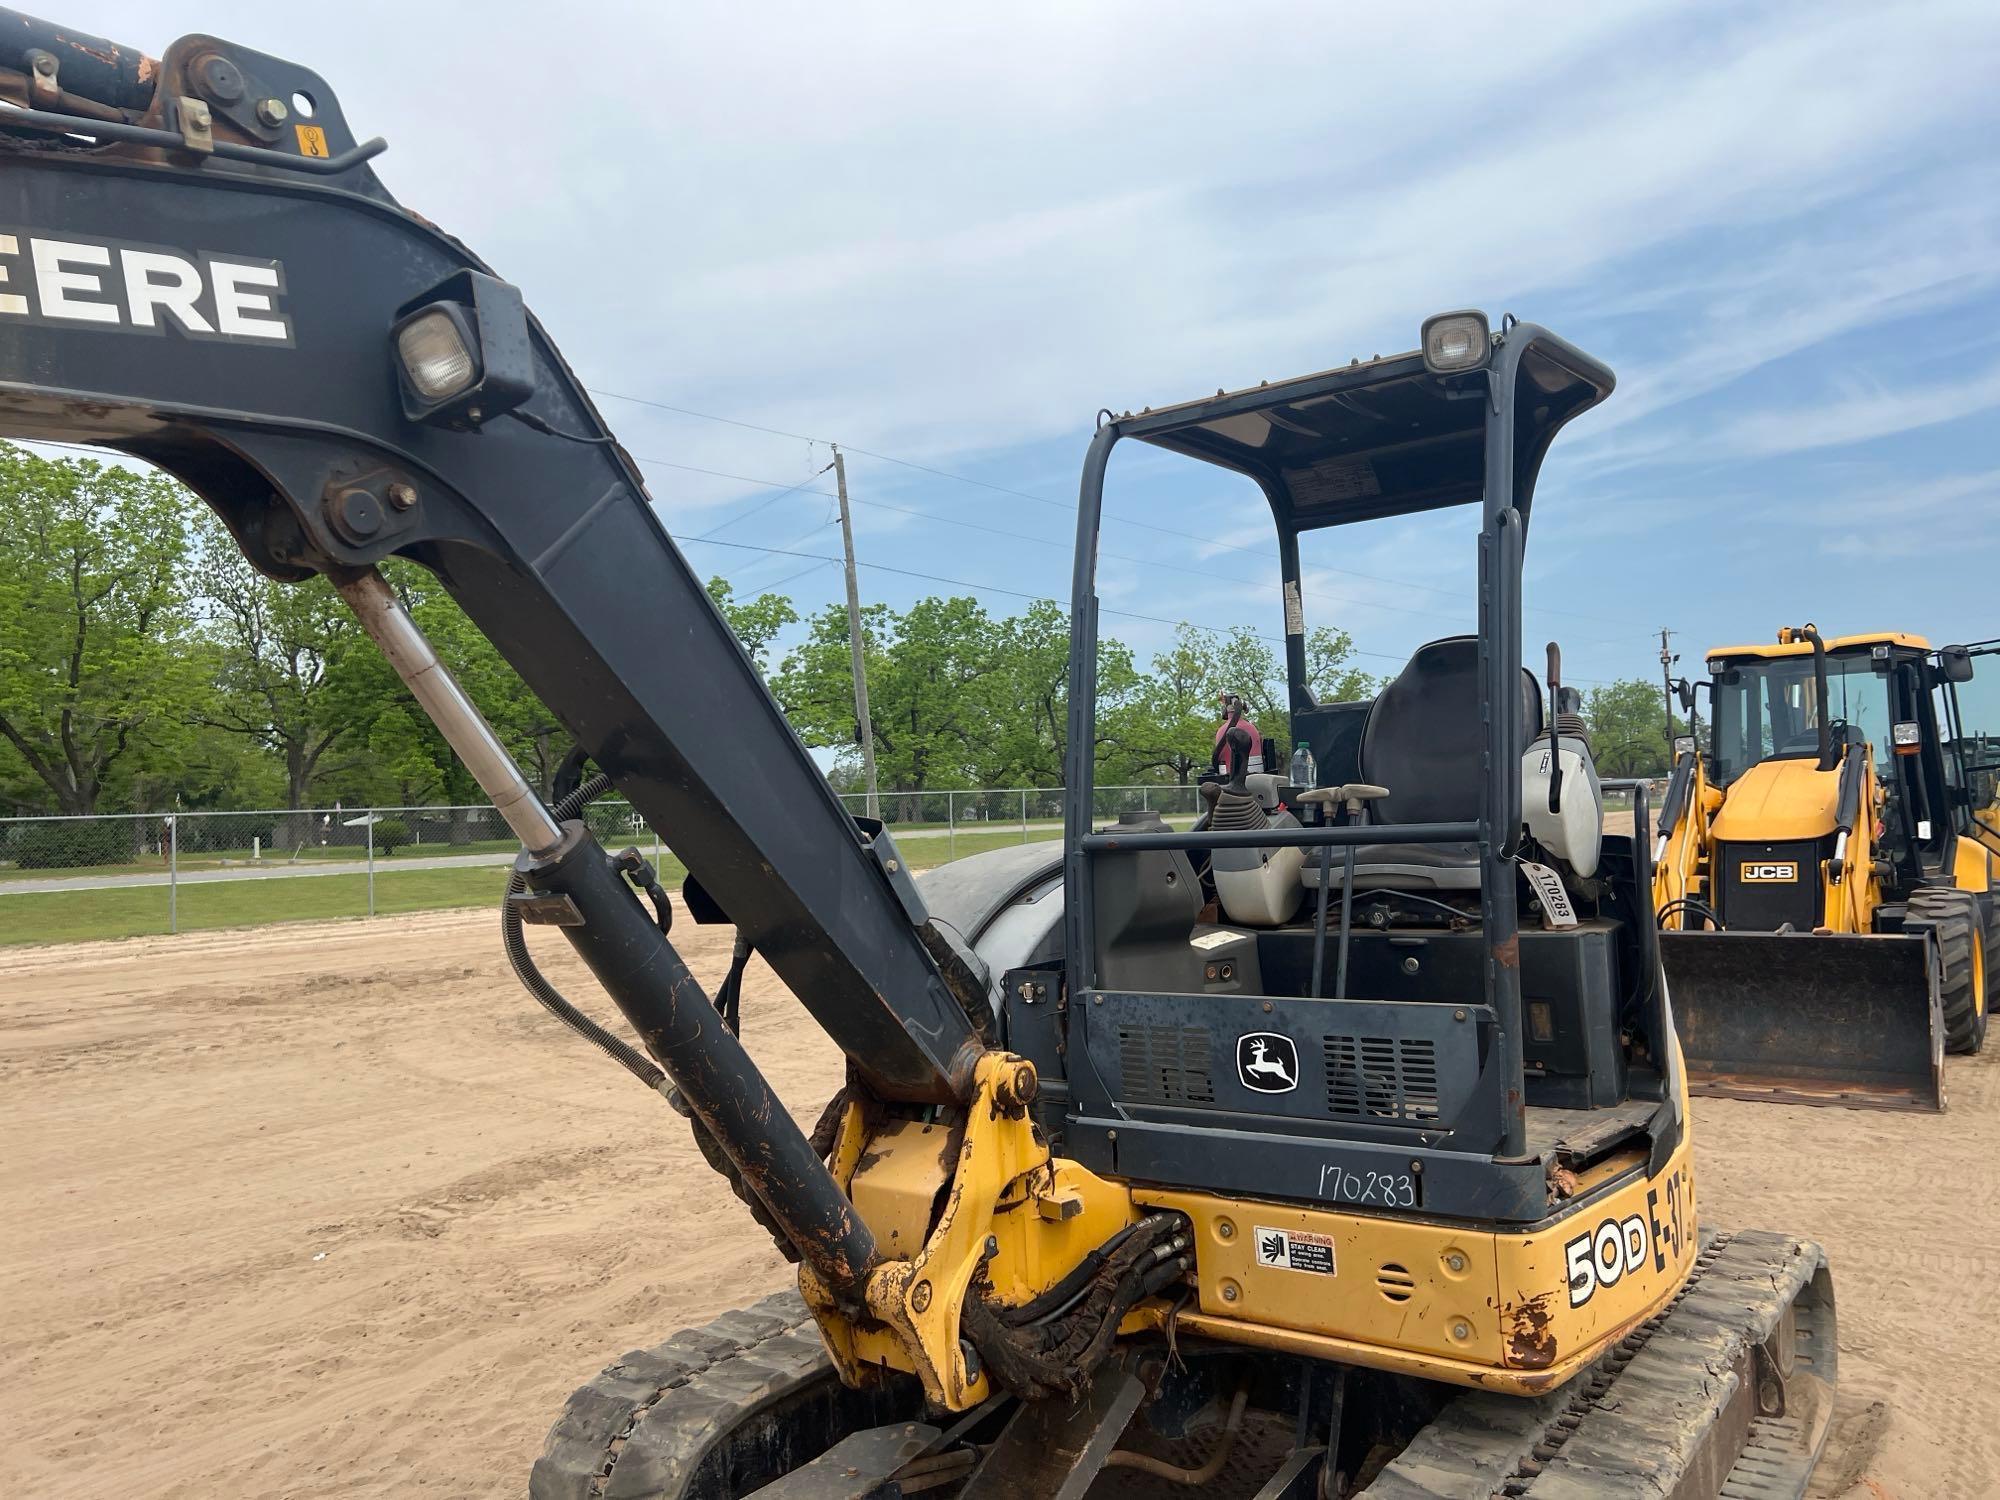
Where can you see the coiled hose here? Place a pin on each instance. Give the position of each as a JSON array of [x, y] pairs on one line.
[[532, 979]]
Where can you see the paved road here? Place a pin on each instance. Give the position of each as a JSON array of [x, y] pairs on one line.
[[272, 870]]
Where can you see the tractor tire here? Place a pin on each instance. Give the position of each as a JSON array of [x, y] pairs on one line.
[[1953, 917]]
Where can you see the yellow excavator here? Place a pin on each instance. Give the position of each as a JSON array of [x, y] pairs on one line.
[[1145, 1176], [1825, 869]]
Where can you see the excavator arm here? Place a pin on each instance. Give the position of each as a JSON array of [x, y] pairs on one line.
[[202, 270], [231, 319]]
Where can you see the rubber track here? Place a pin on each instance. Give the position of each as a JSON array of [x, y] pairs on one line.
[[1611, 1431], [644, 1426]]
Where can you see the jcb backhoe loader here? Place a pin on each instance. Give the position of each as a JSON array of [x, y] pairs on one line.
[[1139, 1180], [1826, 889]]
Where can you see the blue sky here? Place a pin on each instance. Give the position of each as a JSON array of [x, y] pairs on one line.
[[949, 237]]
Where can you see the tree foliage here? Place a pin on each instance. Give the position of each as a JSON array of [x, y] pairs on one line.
[[96, 668], [143, 663], [1628, 728]]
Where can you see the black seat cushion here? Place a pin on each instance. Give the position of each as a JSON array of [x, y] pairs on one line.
[[1422, 740]]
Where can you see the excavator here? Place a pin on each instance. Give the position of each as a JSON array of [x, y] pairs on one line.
[[1144, 1176], [1823, 874]]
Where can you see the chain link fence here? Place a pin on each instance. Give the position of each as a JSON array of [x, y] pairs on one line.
[[121, 875]]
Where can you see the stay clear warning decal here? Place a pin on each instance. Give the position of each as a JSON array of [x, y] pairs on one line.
[[1295, 1250]]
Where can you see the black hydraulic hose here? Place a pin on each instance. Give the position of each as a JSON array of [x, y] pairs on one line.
[[515, 942], [1681, 906]]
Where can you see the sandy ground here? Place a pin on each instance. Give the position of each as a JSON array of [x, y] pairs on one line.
[[333, 1210]]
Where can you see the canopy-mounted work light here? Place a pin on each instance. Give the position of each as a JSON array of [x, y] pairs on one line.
[[462, 352], [1455, 342]]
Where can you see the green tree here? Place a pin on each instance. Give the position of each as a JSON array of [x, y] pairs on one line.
[[281, 648], [1027, 699], [928, 692], [96, 667], [1628, 728], [1167, 728], [756, 621]]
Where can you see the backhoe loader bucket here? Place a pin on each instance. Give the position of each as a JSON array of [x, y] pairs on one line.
[[1839, 1019]]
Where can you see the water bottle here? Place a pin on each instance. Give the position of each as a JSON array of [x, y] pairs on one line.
[[1303, 769]]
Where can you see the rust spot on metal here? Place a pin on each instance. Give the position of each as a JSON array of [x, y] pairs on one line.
[[1530, 1343], [1508, 954], [1562, 1181]]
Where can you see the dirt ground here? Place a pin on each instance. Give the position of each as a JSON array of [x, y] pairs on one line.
[[334, 1210]]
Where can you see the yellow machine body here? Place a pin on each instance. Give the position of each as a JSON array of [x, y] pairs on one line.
[[983, 1201], [1840, 1008]]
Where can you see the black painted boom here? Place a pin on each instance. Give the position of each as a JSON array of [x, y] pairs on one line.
[[227, 316]]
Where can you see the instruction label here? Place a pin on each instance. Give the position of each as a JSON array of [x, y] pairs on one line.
[[1556, 908], [1295, 1250]]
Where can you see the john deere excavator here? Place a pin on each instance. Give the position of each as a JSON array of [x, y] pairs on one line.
[[1140, 1180], [1823, 876]]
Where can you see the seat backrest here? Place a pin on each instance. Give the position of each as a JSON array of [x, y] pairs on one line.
[[1422, 740]]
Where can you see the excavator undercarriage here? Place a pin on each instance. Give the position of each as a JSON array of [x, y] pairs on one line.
[[1153, 1169]]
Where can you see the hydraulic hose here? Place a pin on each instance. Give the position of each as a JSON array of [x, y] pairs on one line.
[[1125, 1458], [515, 942]]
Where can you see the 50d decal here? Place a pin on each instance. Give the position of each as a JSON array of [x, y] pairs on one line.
[[1620, 1247]]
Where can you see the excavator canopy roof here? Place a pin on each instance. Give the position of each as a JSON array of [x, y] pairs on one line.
[[1804, 648], [1381, 437]]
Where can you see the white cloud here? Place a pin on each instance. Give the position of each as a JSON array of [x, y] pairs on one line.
[[1860, 412]]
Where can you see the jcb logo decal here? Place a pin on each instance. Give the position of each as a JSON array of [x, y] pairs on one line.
[[1771, 872]]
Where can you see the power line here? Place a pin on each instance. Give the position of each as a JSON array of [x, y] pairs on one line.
[[819, 560], [1002, 489], [994, 588], [767, 504], [1146, 562]]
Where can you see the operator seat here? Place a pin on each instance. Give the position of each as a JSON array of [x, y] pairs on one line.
[[1422, 742]]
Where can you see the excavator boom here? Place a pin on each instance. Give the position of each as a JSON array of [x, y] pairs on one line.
[[247, 347]]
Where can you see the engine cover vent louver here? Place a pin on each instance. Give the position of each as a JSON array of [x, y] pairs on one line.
[[1166, 1064], [1379, 1077]]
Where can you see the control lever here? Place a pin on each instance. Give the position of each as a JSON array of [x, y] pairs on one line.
[[1555, 728], [1354, 796], [1238, 741]]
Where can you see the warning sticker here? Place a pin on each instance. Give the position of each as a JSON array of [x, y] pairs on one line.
[[1295, 1250], [312, 140], [1215, 939]]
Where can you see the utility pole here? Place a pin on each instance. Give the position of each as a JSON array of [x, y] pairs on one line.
[[1668, 656], [867, 725]]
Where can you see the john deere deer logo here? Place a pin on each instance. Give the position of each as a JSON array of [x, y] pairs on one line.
[[1267, 1062]]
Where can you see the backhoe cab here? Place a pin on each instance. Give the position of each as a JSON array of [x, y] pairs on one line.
[[1826, 872], [1140, 1158]]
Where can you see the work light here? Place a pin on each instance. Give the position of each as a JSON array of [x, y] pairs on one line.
[[435, 347], [1455, 342], [463, 354], [1907, 737]]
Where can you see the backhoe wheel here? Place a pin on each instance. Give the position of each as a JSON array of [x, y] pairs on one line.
[[1962, 937]]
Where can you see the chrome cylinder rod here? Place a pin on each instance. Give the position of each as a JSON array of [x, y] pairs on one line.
[[457, 717]]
